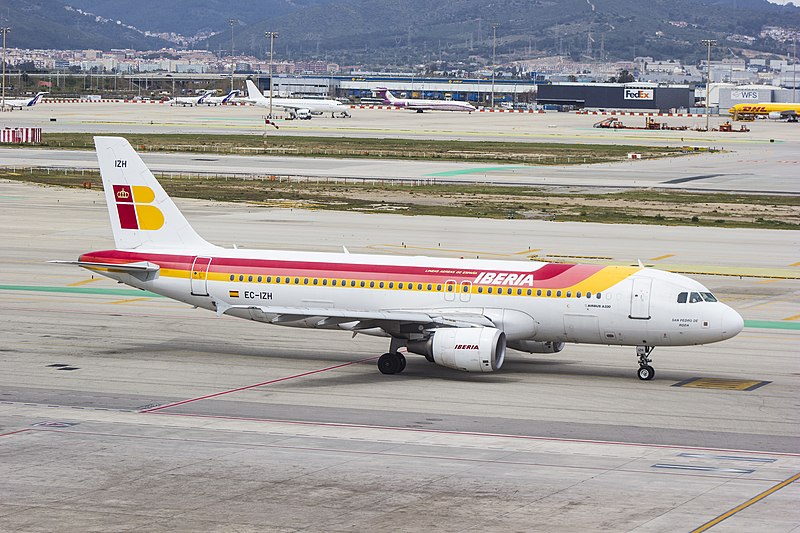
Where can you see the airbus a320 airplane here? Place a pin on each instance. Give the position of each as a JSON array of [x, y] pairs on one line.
[[458, 313]]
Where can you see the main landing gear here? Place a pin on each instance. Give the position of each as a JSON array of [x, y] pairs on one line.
[[646, 372], [393, 362]]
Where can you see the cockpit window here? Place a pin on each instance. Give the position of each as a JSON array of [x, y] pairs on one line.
[[682, 297], [707, 296], [695, 298]]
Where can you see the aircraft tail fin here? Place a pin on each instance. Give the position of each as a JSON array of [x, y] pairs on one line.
[[35, 100], [230, 95], [384, 94], [252, 91], [141, 212]]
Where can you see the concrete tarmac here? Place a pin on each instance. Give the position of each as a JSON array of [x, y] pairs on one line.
[[124, 412], [762, 160]]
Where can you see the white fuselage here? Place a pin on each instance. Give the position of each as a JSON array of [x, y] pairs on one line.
[[582, 304]]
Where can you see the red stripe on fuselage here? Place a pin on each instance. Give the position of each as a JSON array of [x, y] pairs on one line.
[[549, 274]]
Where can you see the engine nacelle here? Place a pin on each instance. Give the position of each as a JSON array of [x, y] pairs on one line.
[[468, 349], [537, 346], [775, 115]]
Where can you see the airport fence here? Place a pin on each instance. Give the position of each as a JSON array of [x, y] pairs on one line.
[[91, 177], [450, 155]]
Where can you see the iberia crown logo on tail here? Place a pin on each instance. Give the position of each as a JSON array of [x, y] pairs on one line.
[[134, 209]]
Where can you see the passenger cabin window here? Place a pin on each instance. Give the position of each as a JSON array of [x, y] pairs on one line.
[[682, 297], [232, 277]]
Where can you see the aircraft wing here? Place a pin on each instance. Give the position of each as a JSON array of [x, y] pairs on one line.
[[354, 320], [788, 113], [291, 107]]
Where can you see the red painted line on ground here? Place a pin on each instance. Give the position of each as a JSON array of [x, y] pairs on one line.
[[479, 434], [15, 432], [270, 382]]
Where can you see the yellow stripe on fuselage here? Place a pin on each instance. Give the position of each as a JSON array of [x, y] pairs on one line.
[[600, 281]]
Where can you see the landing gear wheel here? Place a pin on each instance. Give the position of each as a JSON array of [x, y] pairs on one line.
[[391, 363], [646, 372]]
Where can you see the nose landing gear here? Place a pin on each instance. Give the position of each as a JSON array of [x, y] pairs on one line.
[[646, 372]]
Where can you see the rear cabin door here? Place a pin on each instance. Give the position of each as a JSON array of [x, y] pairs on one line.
[[640, 298], [199, 276]]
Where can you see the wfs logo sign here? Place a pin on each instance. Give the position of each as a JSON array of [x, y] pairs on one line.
[[639, 94], [744, 95], [134, 209]]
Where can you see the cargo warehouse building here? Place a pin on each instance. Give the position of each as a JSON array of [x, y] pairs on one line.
[[639, 96]]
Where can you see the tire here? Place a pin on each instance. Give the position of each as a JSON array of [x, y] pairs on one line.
[[402, 359], [646, 372], [389, 363]]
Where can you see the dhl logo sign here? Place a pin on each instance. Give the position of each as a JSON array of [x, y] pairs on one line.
[[751, 108], [134, 209]]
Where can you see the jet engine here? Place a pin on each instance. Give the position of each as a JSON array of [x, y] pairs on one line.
[[469, 349], [775, 115], [536, 346]]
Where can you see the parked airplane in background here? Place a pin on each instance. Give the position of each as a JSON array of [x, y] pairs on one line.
[[19, 103], [458, 313], [301, 108], [219, 100], [415, 104], [190, 100], [774, 111]]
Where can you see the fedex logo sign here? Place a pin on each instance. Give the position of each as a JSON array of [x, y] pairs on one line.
[[134, 209], [639, 94]]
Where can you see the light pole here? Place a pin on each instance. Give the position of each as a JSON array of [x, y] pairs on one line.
[[271, 35], [709, 43], [232, 22], [3, 104], [794, 68], [494, 55]]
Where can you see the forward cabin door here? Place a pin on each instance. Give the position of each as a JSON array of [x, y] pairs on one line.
[[640, 298], [199, 276]]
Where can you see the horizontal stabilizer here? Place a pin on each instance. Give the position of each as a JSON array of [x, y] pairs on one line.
[[140, 266]]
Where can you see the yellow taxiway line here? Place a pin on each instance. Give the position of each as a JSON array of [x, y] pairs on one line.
[[747, 504]]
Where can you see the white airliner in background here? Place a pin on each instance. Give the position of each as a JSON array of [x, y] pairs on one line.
[[458, 313], [415, 104], [298, 107], [219, 100], [190, 100], [19, 103]]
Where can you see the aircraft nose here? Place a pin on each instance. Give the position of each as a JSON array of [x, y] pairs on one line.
[[732, 323]]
